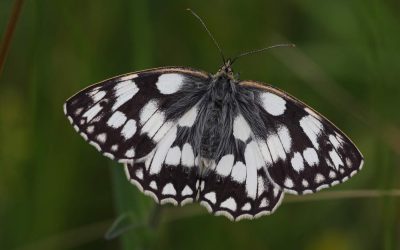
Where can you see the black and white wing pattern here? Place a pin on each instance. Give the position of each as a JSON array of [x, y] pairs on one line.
[[304, 152], [184, 167], [236, 147], [125, 117], [170, 173], [237, 185]]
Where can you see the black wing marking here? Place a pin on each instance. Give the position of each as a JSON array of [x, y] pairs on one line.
[[303, 150], [237, 185], [125, 117], [169, 174]]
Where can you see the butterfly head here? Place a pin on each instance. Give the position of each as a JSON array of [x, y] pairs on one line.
[[226, 71]]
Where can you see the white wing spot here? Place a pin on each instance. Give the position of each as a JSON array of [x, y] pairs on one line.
[[187, 155], [305, 183], [116, 120], [153, 185], [285, 138], [173, 156], [130, 153], [92, 112], [187, 191], [147, 111], [78, 111], [169, 83], [246, 207], [162, 131], [230, 204], [275, 148], [349, 163], [337, 161], [260, 188], [311, 156], [188, 119], [153, 124], [114, 147], [101, 138], [98, 96], [276, 191], [329, 163], [334, 141], [288, 183], [225, 164], [239, 172], [211, 197], [124, 91], [319, 178], [265, 153], [241, 129], [139, 173], [273, 104], [129, 129], [202, 184], [162, 151], [297, 162], [312, 128], [169, 189], [332, 174], [90, 129], [263, 203], [251, 167]]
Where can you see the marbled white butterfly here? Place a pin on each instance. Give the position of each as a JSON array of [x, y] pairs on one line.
[[235, 146]]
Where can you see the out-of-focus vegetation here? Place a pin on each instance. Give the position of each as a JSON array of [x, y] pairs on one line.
[[58, 192]]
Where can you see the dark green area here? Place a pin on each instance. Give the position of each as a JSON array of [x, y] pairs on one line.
[[58, 192]]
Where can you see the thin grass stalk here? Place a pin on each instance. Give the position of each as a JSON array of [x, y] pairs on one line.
[[8, 34]]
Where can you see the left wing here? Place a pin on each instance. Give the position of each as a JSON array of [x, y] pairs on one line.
[[126, 116]]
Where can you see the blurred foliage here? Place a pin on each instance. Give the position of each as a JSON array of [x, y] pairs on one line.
[[57, 192]]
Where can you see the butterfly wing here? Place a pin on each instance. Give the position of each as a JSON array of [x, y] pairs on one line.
[[237, 185], [125, 117], [304, 152], [170, 172]]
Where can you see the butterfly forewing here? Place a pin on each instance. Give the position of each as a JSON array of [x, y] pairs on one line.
[[304, 152], [124, 117]]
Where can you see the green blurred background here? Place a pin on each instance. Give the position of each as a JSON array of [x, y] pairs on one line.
[[57, 192]]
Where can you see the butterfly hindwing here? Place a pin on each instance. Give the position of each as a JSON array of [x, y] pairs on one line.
[[237, 185], [124, 117], [169, 173], [304, 152]]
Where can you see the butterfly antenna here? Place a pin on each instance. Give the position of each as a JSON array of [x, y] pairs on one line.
[[290, 45], [209, 33]]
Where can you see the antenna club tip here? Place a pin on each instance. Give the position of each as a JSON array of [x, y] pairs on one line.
[[293, 45]]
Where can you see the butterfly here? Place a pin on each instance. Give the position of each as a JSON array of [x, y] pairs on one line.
[[235, 146]]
